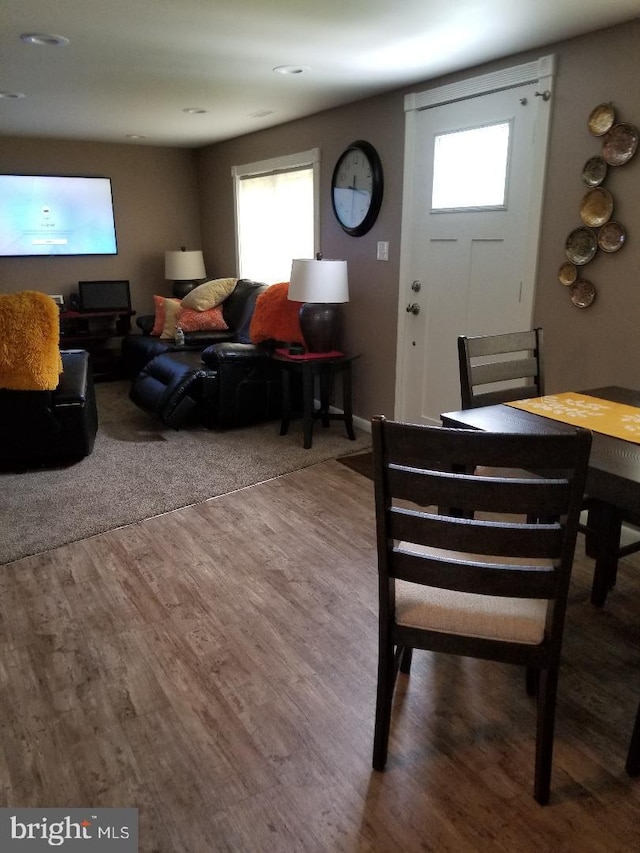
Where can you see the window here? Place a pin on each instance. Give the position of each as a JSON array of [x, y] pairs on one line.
[[276, 214], [470, 168]]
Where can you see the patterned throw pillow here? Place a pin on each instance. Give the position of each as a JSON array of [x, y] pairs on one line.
[[160, 315], [201, 321], [172, 310]]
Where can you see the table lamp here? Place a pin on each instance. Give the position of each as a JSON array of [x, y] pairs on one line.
[[185, 269], [320, 285]]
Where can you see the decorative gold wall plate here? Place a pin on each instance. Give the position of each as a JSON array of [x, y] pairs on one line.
[[581, 246], [568, 273], [611, 237], [594, 171], [601, 119], [596, 207], [582, 293], [620, 144]]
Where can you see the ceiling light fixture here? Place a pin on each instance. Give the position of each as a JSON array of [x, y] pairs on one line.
[[11, 95], [135, 136], [289, 70], [44, 39], [193, 111]]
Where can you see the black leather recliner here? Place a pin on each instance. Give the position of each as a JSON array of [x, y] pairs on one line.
[[39, 428], [237, 310], [220, 378]]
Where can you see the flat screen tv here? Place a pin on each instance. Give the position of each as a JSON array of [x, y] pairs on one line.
[[43, 215]]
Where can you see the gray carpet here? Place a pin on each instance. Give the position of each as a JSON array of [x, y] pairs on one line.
[[139, 469]]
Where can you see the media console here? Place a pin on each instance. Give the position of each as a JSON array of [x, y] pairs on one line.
[[93, 331]]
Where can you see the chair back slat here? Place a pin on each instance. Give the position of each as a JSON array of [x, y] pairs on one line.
[[474, 492], [523, 540], [445, 450], [501, 371], [483, 345], [508, 579]]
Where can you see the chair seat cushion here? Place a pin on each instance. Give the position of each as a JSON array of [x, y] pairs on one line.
[[519, 620]]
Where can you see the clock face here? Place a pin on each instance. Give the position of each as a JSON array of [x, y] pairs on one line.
[[357, 188]]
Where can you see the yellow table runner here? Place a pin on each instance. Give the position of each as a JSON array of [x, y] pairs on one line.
[[614, 419]]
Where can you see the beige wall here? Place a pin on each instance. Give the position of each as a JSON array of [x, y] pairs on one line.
[[155, 195], [599, 345], [157, 208], [585, 348], [370, 315]]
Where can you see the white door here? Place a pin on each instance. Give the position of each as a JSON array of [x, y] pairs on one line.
[[474, 173]]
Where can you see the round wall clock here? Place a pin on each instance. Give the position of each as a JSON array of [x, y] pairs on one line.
[[356, 188]]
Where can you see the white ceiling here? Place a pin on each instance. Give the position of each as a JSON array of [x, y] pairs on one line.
[[134, 66]]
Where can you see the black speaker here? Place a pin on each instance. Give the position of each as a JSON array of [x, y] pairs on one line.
[[74, 302]]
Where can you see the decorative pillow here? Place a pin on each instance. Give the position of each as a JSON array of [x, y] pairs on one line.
[[275, 317], [172, 310], [209, 294], [201, 321], [160, 315]]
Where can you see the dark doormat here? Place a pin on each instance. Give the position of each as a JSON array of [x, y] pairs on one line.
[[360, 462]]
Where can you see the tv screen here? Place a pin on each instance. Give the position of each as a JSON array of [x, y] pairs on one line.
[[47, 216], [104, 295]]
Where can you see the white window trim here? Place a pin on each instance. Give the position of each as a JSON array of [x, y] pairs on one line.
[[284, 163]]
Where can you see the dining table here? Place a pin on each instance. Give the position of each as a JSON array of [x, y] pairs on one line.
[[613, 480]]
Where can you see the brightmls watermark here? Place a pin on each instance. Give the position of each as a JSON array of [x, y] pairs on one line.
[[86, 830]]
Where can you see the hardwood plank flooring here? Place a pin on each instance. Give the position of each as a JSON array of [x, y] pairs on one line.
[[215, 668]]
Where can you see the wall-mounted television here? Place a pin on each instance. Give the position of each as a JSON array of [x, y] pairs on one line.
[[44, 215]]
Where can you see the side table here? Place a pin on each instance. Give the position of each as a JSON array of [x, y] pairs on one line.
[[324, 367]]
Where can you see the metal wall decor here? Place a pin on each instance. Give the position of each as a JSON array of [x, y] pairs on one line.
[[598, 230]]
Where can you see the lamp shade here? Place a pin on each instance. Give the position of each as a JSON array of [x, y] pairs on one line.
[[184, 266], [318, 281]]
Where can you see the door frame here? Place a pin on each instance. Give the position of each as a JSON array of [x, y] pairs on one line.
[[540, 71]]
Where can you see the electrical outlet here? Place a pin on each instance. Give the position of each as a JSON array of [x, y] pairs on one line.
[[383, 250]]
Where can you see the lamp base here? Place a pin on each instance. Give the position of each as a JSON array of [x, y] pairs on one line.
[[319, 325], [181, 288]]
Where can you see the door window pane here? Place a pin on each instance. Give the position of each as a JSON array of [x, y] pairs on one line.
[[470, 168]]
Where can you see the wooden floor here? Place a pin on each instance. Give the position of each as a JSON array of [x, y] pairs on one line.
[[215, 668]]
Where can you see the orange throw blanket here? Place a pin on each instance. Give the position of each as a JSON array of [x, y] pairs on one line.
[[29, 342]]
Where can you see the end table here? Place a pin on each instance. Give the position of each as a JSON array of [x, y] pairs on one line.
[[324, 367]]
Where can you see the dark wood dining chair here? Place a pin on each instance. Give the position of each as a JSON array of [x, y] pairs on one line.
[[500, 368], [478, 580]]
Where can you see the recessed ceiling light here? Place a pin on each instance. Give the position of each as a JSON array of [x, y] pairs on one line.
[[44, 39], [135, 136], [11, 95], [193, 111], [291, 69]]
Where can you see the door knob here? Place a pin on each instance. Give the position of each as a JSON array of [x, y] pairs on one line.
[[413, 308]]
